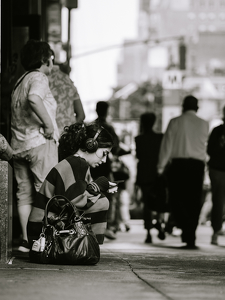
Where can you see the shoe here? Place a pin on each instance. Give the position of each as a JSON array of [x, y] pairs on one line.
[[161, 235], [148, 239], [110, 234], [127, 227], [24, 246], [214, 239], [189, 247], [160, 227]]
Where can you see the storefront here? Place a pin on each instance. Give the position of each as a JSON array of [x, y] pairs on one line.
[[23, 20]]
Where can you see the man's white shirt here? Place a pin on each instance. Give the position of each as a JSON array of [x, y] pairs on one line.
[[185, 137]]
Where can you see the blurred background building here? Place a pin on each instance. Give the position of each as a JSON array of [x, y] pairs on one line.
[[180, 47]]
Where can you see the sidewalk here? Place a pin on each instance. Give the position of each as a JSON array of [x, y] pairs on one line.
[[128, 269]]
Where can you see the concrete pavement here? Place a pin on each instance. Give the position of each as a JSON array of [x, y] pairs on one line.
[[128, 269]]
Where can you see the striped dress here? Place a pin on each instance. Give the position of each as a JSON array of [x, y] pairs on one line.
[[72, 179]]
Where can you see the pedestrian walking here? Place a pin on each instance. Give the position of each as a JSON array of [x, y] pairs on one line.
[[122, 198], [184, 146], [34, 129], [216, 163], [147, 152], [102, 110]]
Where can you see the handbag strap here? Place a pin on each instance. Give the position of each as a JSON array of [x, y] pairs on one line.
[[51, 200], [18, 83]]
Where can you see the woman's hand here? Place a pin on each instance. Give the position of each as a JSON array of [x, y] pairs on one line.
[[48, 132], [113, 188], [39, 109]]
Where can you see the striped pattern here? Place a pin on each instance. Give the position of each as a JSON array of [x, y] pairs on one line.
[[70, 178]]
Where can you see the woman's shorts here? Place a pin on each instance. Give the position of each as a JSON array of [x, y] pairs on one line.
[[31, 167]]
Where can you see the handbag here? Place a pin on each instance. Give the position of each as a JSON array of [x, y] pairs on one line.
[[66, 238]]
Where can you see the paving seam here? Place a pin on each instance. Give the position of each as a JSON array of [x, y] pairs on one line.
[[139, 277]]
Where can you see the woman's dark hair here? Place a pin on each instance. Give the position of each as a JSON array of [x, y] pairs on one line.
[[147, 122], [34, 54], [75, 136]]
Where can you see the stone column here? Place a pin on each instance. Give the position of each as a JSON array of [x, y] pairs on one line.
[[6, 187], [6, 178]]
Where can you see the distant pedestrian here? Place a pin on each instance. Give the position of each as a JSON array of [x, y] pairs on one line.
[[216, 163], [122, 198], [34, 128], [147, 152], [184, 145], [102, 110]]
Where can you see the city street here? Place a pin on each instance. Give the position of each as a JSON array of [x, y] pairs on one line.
[[128, 269], [138, 85]]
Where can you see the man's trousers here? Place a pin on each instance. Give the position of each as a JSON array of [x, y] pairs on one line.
[[185, 181]]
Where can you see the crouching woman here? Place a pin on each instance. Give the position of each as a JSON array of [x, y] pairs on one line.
[[83, 146]]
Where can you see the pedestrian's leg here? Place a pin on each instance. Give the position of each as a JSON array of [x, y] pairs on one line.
[[25, 194], [176, 191], [24, 212], [110, 231], [41, 160], [124, 199], [98, 215], [147, 213], [218, 199], [192, 199]]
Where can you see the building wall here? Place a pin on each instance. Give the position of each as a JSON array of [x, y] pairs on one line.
[[201, 22], [166, 24]]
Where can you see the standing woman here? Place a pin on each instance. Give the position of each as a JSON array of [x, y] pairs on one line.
[[34, 129], [83, 146], [147, 151]]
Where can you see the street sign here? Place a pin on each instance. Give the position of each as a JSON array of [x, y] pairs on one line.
[[172, 79]]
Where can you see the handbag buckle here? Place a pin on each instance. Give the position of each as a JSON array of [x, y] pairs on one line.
[[70, 231]]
